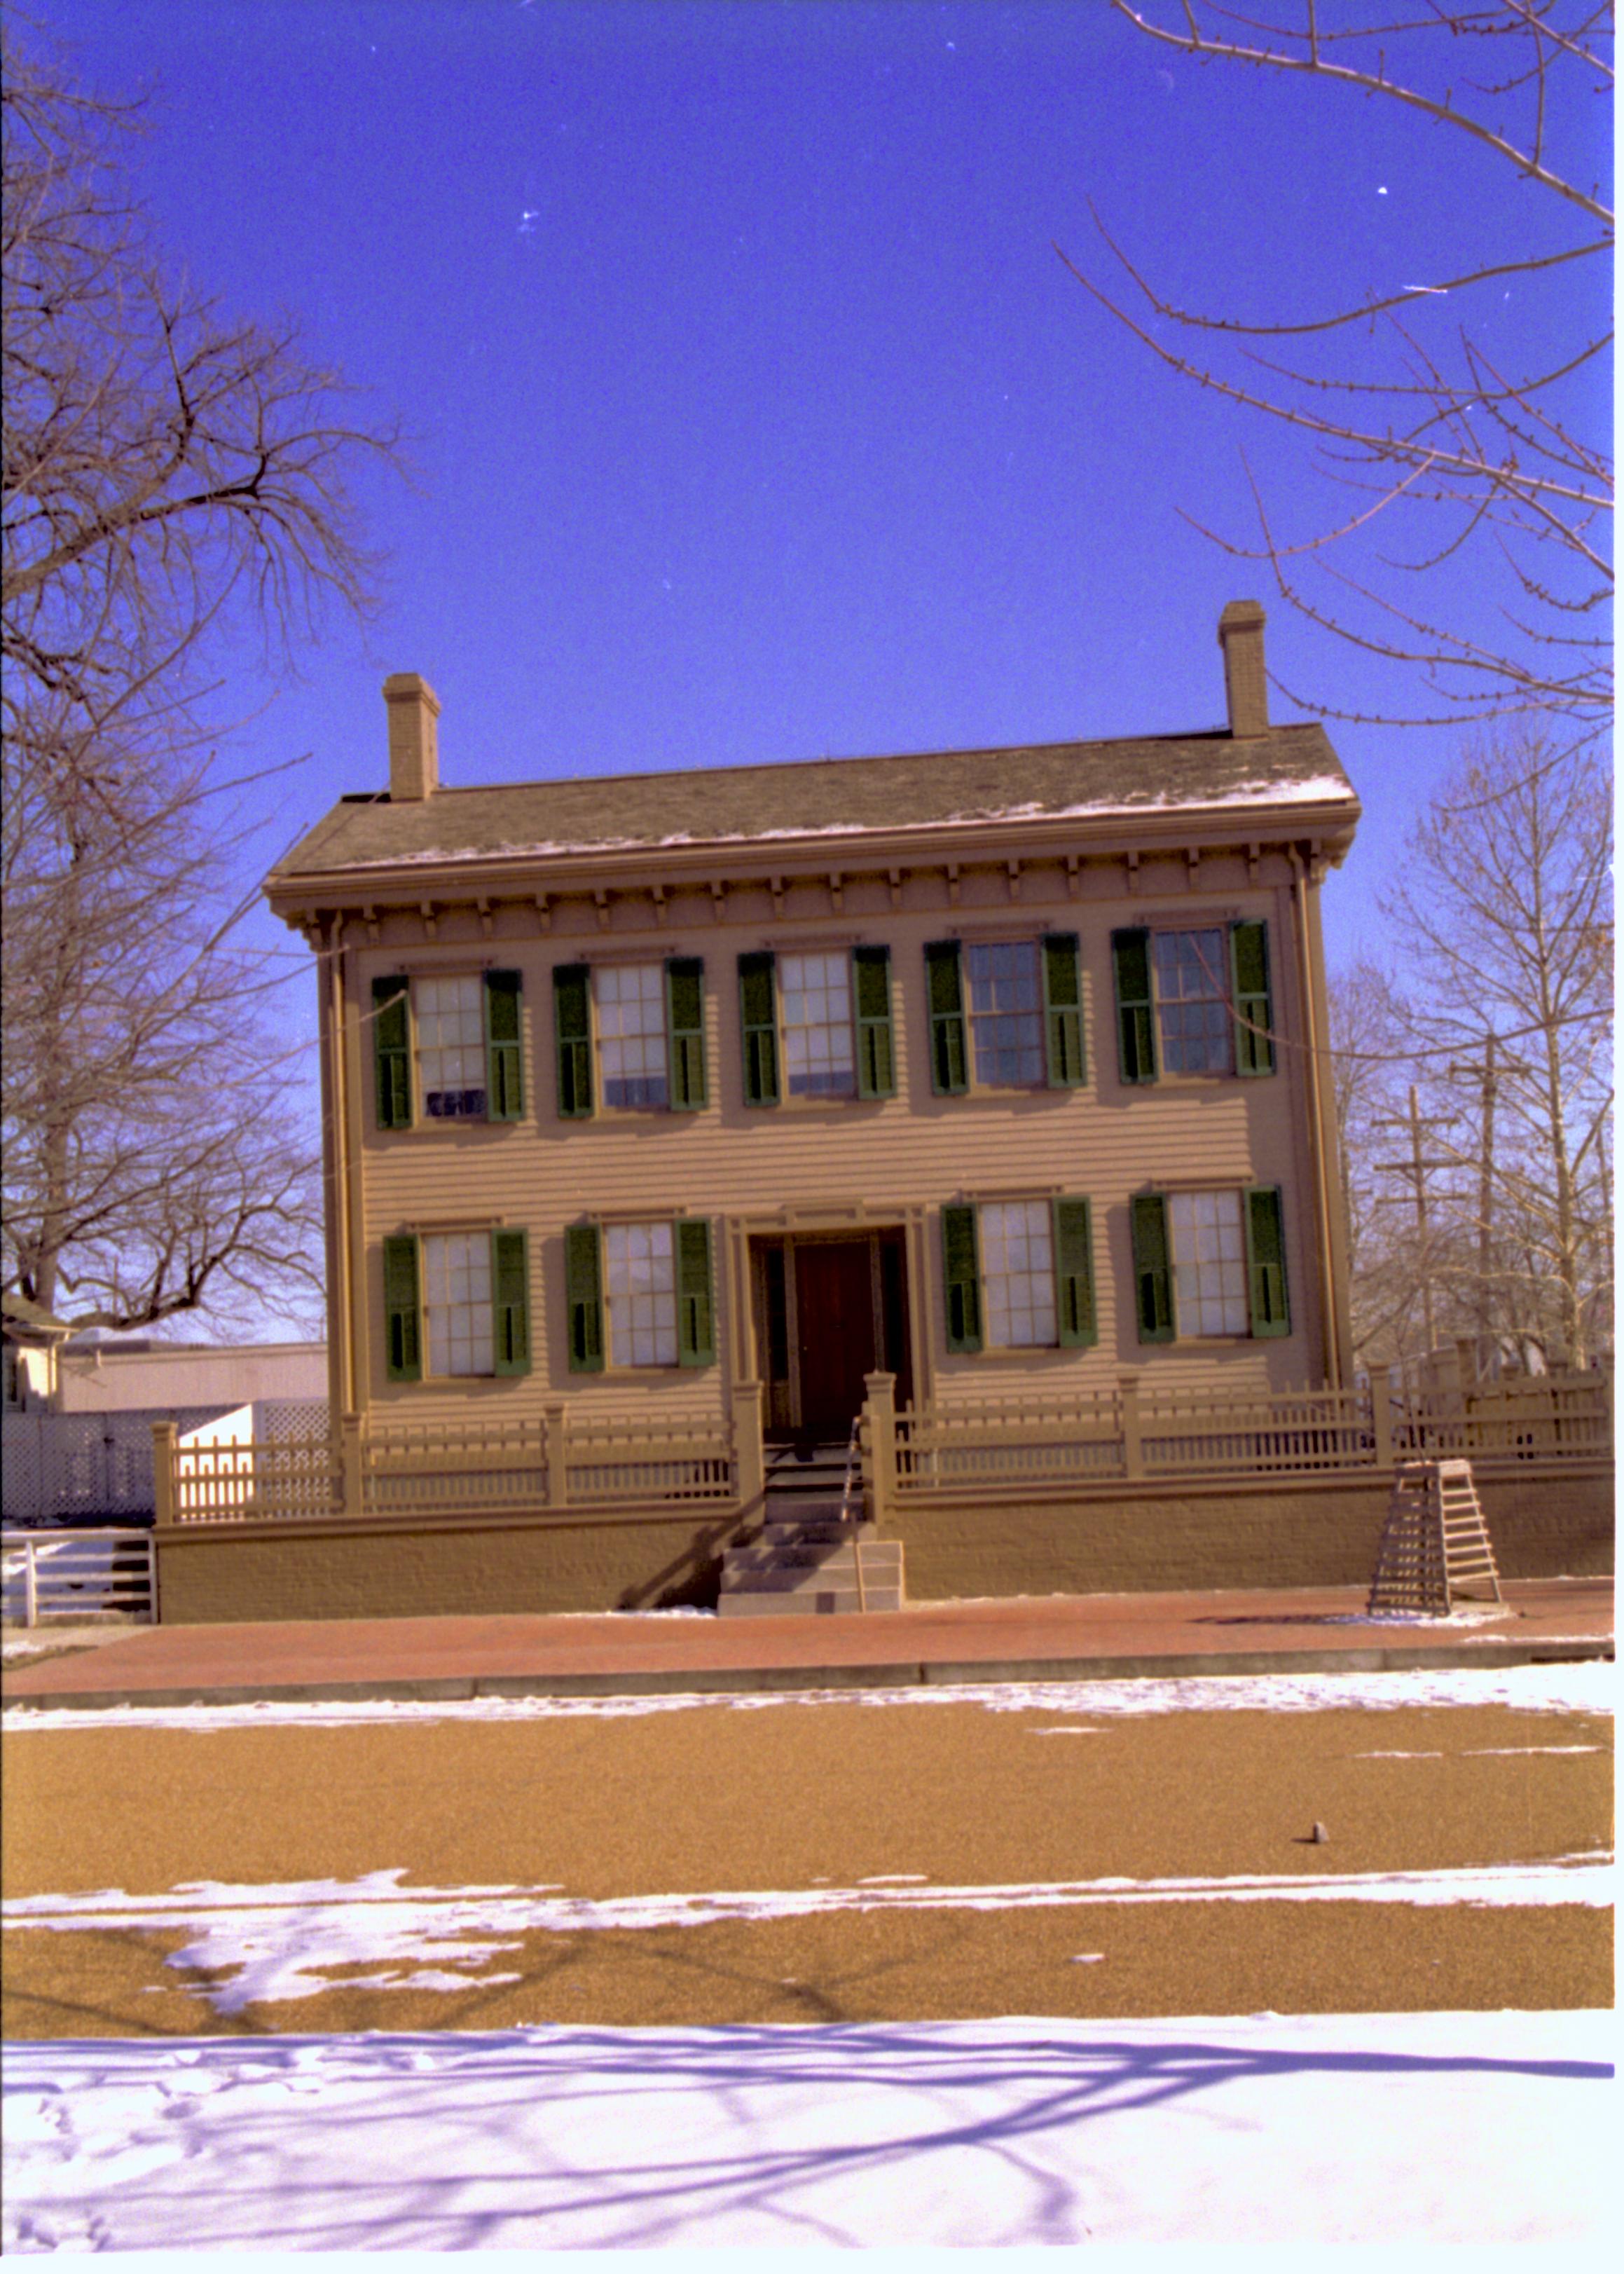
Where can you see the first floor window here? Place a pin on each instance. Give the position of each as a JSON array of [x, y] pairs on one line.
[[1006, 1013], [653, 1282], [456, 1303], [1018, 1275], [643, 1294], [451, 1047], [1017, 1271], [816, 1011], [1209, 1263], [631, 1034]]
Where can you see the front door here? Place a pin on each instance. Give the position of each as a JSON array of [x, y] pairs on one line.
[[835, 1332]]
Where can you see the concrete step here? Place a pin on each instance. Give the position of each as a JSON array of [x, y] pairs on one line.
[[799, 1602], [744, 1566], [789, 1530]]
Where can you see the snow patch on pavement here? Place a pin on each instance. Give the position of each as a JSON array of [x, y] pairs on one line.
[[1578, 1686], [270, 1944], [1371, 2127]]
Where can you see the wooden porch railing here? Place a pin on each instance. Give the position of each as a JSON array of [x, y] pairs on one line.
[[997, 1444], [559, 1461]]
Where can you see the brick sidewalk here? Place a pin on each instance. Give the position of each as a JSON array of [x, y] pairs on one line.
[[1028, 1637]]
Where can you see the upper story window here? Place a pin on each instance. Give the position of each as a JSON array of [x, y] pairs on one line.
[[630, 1000], [451, 1061], [1210, 1263], [1006, 1014], [1195, 1001], [447, 1048], [820, 1023], [644, 1023], [819, 1060]]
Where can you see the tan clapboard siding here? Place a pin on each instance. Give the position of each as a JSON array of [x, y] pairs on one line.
[[914, 1152]]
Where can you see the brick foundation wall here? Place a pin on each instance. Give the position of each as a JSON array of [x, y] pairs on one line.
[[367, 1570], [1289, 1534], [1123, 1540]]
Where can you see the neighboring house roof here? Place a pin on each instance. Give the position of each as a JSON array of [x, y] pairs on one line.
[[28, 1321], [1141, 777]]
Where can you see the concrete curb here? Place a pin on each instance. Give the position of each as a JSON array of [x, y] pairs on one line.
[[911, 1674]]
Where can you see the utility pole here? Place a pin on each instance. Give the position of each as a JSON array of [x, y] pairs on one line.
[[1489, 1080], [1417, 1168]]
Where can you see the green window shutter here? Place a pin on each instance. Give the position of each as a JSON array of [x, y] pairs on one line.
[[685, 1033], [1249, 977], [1063, 1007], [758, 1010], [1135, 1031], [962, 1273], [510, 1301], [584, 1283], [504, 1075], [1074, 1275], [392, 1050], [1266, 1261], [1153, 1269], [403, 1313], [948, 1064], [572, 1019], [876, 1056], [696, 1305]]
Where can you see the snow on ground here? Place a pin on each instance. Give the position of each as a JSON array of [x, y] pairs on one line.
[[1398, 2128], [1585, 1686], [280, 1942]]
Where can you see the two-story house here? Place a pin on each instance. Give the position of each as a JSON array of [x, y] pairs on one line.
[[679, 1094]]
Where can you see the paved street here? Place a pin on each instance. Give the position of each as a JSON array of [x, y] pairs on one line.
[[762, 1860]]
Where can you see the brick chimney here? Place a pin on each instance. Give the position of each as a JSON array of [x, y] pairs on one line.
[[1240, 636], [414, 737]]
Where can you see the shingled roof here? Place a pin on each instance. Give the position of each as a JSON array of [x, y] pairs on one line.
[[1290, 766]]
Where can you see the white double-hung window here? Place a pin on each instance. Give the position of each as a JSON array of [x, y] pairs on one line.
[[640, 1272], [456, 1302], [451, 1047], [1006, 1013], [630, 1002], [1017, 1273], [1192, 1000], [815, 1016], [1209, 1263]]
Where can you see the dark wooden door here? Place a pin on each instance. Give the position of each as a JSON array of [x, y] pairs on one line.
[[834, 1303]]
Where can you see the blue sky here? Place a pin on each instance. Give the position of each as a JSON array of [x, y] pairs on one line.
[[753, 414]]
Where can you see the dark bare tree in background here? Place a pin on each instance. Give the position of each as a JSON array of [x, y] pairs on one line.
[[173, 478], [1436, 448]]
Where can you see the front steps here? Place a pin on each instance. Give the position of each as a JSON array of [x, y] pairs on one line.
[[804, 1558]]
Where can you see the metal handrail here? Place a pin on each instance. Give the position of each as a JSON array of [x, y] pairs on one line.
[[853, 1459]]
